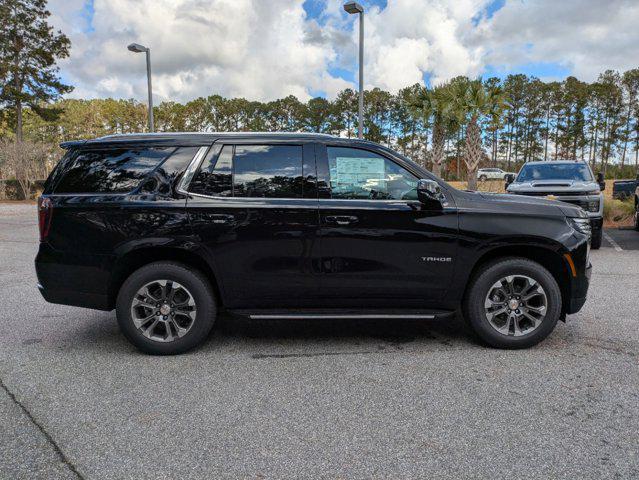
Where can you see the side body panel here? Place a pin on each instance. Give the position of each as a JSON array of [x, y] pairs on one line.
[[90, 233], [263, 250], [395, 253]]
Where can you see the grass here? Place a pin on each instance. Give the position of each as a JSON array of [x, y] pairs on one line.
[[618, 213]]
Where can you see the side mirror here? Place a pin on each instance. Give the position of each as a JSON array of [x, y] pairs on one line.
[[601, 180], [430, 193], [510, 178]]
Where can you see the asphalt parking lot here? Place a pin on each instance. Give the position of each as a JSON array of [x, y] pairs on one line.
[[302, 399], [621, 239]]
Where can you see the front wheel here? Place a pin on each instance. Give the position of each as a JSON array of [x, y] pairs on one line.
[[166, 308], [597, 237], [483, 178], [512, 303], [637, 216]]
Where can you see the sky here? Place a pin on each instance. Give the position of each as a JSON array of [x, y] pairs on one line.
[[268, 49]]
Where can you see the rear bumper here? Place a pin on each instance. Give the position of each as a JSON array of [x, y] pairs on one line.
[[72, 279], [76, 299]]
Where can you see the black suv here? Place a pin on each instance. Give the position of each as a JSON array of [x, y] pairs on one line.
[[168, 229]]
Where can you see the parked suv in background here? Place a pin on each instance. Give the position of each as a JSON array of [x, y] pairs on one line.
[[169, 229], [568, 181], [484, 174]]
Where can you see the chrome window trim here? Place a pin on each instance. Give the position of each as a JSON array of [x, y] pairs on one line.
[[201, 154], [297, 199], [191, 169]]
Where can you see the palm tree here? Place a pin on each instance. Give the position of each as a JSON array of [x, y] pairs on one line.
[[433, 104], [469, 101]]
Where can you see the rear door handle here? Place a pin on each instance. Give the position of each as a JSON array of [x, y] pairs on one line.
[[221, 218], [341, 219]]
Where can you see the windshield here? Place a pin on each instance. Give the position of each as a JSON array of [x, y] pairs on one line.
[[555, 171]]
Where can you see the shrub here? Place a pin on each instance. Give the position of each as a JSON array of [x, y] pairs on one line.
[[617, 211]]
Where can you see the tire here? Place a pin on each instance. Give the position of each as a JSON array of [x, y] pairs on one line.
[[637, 215], [189, 322], [483, 284], [597, 237], [483, 178]]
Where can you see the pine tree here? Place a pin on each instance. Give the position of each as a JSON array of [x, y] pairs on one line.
[[29, 49]]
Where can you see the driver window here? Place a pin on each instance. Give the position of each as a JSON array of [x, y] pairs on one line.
[[360, 174]]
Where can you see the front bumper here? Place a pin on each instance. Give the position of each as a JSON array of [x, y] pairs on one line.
[[579, 290]]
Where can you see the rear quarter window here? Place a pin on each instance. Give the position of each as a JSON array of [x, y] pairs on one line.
[[108, 170]]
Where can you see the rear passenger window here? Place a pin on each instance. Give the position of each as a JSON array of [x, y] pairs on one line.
[[165, 176], [273, 171], [214, 177], [110, 171]]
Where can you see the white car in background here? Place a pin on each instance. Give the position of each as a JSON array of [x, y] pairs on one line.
[[484, 174]]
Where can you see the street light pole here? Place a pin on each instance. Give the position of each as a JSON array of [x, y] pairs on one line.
[[137, 48], [356, 8]]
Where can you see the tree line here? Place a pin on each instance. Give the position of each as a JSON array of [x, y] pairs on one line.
[[453, 128], [517, 119]]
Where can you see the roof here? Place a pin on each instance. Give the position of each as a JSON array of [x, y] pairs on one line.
[[199, 138]]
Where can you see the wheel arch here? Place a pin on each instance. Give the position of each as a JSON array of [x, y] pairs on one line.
[[551, 260], [137, 258]]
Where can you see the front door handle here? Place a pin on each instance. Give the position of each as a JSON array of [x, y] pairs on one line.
[[221, 218], [341, 219]]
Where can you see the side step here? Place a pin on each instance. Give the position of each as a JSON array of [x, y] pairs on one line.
[[306, 314]]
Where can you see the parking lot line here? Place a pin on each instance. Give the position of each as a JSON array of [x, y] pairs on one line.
[[614, 244]]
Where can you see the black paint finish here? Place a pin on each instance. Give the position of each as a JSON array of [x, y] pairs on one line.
[[307, 252]]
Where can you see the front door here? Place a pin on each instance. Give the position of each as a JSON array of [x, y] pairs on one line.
[[379, 245], [254, 208]]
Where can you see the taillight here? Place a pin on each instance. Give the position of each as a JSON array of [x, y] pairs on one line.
[[45, 212]]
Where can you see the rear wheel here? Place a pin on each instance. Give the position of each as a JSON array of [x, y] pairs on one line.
[[637, 215], [512, 303], [166, 308]]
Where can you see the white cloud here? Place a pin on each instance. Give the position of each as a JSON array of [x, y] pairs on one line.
[[584, 36], [265, 49], [255, 49], [413, 37]]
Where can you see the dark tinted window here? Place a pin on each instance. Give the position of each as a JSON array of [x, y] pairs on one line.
[[214, 176], [59, 170], [273, 171], [360, 174], [165, 176], [110, 171]]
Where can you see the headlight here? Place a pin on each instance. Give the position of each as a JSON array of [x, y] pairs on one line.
[[582, 225], [593, 206]]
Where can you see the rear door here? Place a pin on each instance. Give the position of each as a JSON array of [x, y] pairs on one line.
[[253, 206], [379, 245]]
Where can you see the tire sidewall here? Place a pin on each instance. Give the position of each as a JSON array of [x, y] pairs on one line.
[[193, 281], [474, 305]]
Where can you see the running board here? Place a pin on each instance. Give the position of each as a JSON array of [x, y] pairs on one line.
[[349, 316], [344, 315]]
